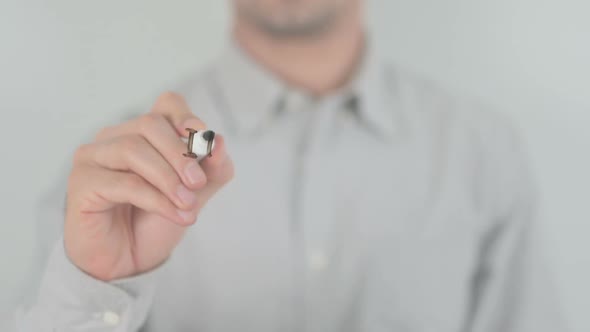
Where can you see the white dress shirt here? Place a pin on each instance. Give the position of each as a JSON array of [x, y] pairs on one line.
[[388, 206]]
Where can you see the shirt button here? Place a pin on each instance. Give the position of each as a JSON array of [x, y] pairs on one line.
[[317, 261], [111, 318]]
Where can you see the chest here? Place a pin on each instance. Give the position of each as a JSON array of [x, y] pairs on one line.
[[329, 232]]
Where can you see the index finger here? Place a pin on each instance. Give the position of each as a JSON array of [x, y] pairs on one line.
[[175, 109]]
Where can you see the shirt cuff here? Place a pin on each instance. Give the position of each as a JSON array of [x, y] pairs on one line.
[[72, 298]]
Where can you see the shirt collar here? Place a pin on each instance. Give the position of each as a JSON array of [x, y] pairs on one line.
[[372, 93], [250, 91], [254, 94]]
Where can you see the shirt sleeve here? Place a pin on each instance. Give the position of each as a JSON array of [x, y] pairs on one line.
[[513, 288], [58, 296], [69, 299]]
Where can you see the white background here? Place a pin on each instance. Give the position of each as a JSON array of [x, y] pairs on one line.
[[67, 66]]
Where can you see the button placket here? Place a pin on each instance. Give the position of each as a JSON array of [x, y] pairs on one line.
[[318, 202]]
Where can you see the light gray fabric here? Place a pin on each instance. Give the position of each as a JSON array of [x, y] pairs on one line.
[[389, 206]]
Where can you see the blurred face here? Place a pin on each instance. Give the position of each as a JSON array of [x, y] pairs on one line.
[[288, 18]]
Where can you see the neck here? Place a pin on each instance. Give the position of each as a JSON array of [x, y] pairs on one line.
[[319, 64]]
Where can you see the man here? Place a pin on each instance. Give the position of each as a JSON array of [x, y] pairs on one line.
[[364, 199]]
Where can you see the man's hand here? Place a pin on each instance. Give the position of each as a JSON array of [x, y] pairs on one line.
[[131, 193]]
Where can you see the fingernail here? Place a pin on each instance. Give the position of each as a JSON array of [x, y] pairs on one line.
[[186, 196], [193, 172], [186, 216]]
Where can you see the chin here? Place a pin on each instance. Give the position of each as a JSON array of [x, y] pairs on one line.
[[291, 17]]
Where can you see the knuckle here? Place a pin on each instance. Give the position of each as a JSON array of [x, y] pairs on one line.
[[131, 144], [170, 103], [133, 182], [149, 121], [76, 174], [103, 133], [168, 97], [81, 153]]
